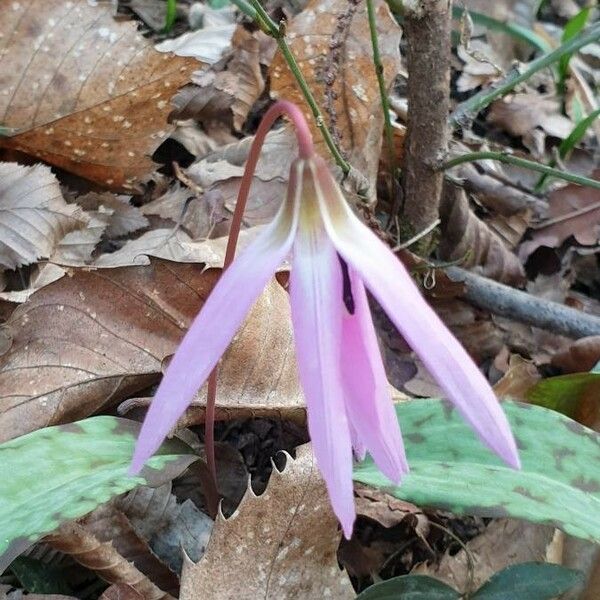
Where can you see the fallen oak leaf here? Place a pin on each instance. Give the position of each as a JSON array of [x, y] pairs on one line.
[[84, 92], [281, 544]]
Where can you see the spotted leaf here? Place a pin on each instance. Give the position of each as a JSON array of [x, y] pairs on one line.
[[559, 483], [61, 473]]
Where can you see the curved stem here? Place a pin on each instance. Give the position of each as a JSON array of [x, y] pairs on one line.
[[524, 163], [305, 150]]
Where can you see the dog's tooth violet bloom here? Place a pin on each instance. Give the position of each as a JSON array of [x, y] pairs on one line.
[[333, 257]]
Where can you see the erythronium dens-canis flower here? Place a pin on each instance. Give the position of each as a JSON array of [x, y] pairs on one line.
[[334, 256]]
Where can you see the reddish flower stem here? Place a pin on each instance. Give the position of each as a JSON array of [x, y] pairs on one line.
[[305, 150]]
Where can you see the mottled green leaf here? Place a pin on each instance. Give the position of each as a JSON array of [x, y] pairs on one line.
[[409, 587], [559, 483], [60, 473], [563, 393], [529, 581]]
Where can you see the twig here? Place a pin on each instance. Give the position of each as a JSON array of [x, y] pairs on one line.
[[523, 307], [469, 109], [416, 238], [277, 32], [504, 157], [570, 215], [383, 95], [427, 26]]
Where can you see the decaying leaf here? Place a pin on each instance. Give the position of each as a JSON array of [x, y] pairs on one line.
[[34, 216], [331, 42], [108, 524], [121, 591], [229, 93], [221, 173], [169, 527], [528, 115], [41, 275], [582, 355], [518, 379], [281, 544], [208, 43], [172, 244], [84, 92], [8, 592], [574, 211], [258, 376], [505, 542], [121, 325], [468, 239], [103, 558], [123, 217]]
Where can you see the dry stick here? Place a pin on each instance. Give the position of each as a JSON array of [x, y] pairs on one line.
[[523, 307], [427, 27], [305, 150]]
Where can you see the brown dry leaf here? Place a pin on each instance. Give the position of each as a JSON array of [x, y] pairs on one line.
[[387, 510], [169, 527], [34, 216], [528, 115], [518, 379], [504, 542], [108, 524], [480, 66], [225, 94], [220, 173], [468, 239], [281, 544], [331, 42], [574, 211], [123, 218], [174, 245], [88, 340], [41, 275], [8, 592], [84, 92], [258, 376], [76, 247], [103, 558], [121, 591], [582, 355]]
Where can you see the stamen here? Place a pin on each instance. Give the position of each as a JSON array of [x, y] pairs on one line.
[[347, 296]]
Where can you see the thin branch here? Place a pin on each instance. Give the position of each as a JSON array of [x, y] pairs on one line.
[[469, 109], [523, 307], [521, 162], [277, 32]]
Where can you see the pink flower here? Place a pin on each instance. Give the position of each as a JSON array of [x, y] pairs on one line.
[[333, 257]]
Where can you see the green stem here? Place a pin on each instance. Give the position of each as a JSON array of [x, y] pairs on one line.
[[385, 103], [278, 33], [521, 162], [468, 109]]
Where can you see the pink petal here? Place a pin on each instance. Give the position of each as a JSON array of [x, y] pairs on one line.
[[212, 330], [444, 357], [316, 302], [368, 400]]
